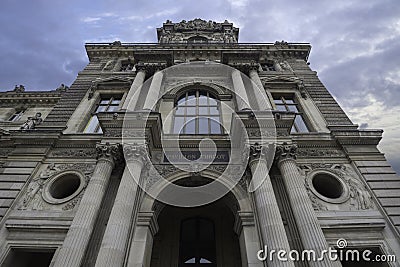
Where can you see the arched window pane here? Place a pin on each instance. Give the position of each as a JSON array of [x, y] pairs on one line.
[[194, 109], [192, 260], [203, 110], [203, 126], [214, 111], [212, 101], [180, 111], [202, 260], [215, 126], [179, 121], [203, 100], [190, 126], [191, 111], [191, 99]]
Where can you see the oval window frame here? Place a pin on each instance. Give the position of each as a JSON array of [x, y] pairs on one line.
[[46, 191], [345, 194]]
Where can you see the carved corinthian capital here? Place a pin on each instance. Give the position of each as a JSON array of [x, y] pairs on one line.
[[257, 151], [109, 151], [136, 151], [286, 151]]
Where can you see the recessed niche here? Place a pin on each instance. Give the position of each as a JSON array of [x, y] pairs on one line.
[[63, 187]]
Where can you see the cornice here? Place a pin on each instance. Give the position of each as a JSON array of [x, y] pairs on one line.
[[134, 50], [49, 97]]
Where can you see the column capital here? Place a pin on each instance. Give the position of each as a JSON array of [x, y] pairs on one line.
[[108, 151], [257, 152], [246, 67], [135, 151], [150, 68], [141, 67], [285, 152]]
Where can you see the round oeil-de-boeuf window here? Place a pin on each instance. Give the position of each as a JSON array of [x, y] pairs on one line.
[[328, 186], [63, 187]]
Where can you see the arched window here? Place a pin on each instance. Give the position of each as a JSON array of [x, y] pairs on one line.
[[197, 112], [197, 243]]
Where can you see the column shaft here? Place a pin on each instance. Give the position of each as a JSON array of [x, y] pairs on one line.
[[262, 100], [272, 228], [114, 244], [133, 94], [73, 249], [307, 222], [154, 91], [240, 91]]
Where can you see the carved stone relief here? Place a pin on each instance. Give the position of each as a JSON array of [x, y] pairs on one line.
[[74, 153], [155, 171], [5, 152], [358, 196], [318, 152], [33, 200]]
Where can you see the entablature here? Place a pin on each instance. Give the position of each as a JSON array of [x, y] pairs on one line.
[[145, 50]]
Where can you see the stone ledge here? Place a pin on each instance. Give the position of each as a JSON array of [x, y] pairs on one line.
[[351, 220]]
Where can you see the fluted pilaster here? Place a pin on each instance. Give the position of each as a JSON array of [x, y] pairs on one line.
[[262, 100], [73, 249], [154, 91], [133, 94], [115, 240], [307, 222], [272, 228], [240, 91]]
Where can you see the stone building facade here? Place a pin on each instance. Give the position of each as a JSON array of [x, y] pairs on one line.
[[116, 169]]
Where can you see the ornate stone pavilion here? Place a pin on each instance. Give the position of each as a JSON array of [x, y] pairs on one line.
[[80, 166]]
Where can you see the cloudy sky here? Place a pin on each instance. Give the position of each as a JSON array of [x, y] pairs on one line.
[[356, 43]]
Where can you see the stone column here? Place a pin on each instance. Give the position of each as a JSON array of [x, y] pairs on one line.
[[133, 94], [270, 220], [240, 91], [115, 241], [263, 100], [307, 222], [73, 249], [154, 91]]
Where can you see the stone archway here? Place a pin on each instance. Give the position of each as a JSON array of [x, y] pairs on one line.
[[200, 236], [150, 220]]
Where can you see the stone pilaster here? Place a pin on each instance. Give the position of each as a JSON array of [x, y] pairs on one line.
[[142, 242], [277, 67], [115, 240], [240, 91], [307, 222], [154, 91], [262, 100], [270, 220], [133, 94], [73, 249]]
